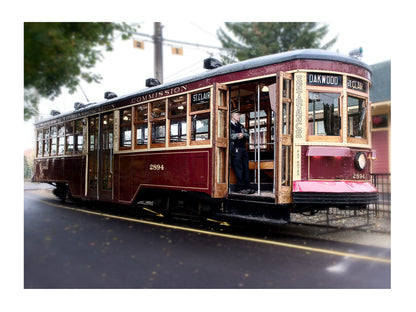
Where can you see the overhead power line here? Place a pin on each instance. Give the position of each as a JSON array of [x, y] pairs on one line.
[[182, 42]]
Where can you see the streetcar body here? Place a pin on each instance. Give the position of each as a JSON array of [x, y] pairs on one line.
[[307, 112]]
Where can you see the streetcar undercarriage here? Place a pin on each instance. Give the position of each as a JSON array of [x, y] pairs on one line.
[[237, 207]]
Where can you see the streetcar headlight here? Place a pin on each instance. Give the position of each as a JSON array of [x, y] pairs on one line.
[[360, 161]]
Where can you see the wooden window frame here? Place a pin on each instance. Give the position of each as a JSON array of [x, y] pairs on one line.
[[139, 123], [68, 134], [61, 138], [40, 140], [52, 138], [157, 120], [196, 113], [326, 138], [181, 117], [362, 96], [126, 124], [78, 133], [46, 139]]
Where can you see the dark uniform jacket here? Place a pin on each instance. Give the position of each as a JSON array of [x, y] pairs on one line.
[[235, 141]]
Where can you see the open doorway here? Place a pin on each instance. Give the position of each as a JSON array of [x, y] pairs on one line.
[[256, 103]]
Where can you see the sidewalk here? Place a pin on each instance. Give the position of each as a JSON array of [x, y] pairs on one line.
[[371, 229], [37, 186], [355, 236]]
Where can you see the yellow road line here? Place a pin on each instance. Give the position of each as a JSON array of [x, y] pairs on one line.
[[256, 240]]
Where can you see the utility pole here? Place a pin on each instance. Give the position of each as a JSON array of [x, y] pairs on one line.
[[158, 41]]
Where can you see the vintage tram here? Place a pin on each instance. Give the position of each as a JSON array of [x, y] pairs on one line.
[[167, 146]]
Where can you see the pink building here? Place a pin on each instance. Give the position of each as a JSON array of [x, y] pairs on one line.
[[380, 97]]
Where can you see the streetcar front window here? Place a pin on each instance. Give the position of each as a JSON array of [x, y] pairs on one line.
[[357, 116], [324, 114]]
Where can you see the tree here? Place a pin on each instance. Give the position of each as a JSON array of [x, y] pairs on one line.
[[257, 39], [58, 55]]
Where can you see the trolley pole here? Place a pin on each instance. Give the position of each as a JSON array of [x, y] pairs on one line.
[[158, 41]]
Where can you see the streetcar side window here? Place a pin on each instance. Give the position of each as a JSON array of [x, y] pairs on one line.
[[69, 137], [200, 115], [39, 139], [324, 114], [61, 139], [93, 133], [158, 123], [78, 137], [141, 119], [177, 118], [200, 127], [54, 140], [46, 141], [125, 128]]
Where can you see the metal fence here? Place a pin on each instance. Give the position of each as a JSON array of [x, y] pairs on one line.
[[376, 217], [382, 181]]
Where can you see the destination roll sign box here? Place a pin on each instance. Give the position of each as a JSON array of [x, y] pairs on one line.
[[200, 97], [328, 80], [357, 84]]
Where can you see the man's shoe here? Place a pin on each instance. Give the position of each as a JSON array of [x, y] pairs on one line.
[[244, 192], [250, 191]]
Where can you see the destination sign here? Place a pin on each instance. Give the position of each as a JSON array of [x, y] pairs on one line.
[[356, 84], [327, 80], [200, 97]]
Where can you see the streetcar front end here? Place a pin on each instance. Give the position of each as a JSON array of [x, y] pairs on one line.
[[332, 142], [334, 176]]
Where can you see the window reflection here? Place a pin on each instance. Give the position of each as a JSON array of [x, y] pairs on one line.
[[200, 127], [357, 116], [158, 132], [323, 114]]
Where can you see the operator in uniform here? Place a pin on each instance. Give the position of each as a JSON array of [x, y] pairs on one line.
[[239, 154]]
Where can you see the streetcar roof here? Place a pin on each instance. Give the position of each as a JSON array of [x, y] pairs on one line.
[[313, 54]]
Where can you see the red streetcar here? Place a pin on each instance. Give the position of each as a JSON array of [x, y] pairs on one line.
[[307, 113]]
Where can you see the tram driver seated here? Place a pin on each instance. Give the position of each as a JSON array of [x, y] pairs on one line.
[[239, 155]]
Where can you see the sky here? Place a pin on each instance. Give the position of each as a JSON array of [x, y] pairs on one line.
[[125, 69]]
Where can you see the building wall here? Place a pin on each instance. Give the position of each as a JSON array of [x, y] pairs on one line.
[[380, 98], [382, 147]]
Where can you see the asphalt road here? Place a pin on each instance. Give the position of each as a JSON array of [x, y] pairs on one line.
[[69, 248]]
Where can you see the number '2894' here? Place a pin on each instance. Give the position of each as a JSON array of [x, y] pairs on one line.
[[156, 167]]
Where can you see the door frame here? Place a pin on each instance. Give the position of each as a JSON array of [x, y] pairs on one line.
[[97, 192], [220, 140], [284, 140]]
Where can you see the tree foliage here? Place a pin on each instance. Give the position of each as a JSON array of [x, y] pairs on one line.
[[58, 55], [258, 39]]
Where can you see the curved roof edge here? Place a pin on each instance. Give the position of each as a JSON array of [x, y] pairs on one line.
[[312, 54]]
